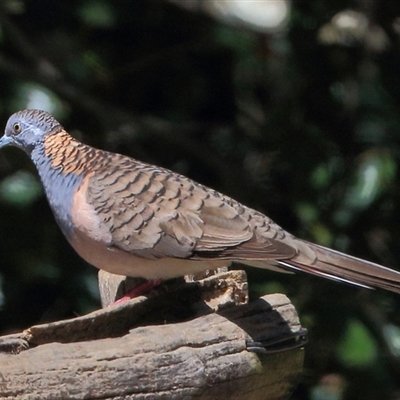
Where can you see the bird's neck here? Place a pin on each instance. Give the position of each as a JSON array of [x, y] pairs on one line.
[[61, 173]]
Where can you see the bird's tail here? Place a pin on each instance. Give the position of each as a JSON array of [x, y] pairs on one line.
[[332, 264]]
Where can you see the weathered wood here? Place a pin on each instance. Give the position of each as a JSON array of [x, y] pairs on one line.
[[251, 351], [175, 302], [232, 285]]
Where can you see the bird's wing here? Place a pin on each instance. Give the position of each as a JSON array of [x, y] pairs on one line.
[[155, 213]]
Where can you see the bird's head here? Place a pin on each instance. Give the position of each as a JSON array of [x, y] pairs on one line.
[[27, 128]]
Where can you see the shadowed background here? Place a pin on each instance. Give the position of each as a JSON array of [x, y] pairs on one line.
[[290, 107]]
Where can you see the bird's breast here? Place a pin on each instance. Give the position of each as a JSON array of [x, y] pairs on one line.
[[84, 217]]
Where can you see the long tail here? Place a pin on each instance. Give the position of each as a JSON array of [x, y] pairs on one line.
[[338, 266]]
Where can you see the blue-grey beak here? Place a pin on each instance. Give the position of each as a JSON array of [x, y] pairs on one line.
[[5, 141]]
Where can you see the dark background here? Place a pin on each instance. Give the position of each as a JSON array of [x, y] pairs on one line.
[[299, 119]]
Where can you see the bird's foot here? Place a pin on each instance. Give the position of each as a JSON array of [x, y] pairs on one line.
[[139, 290]]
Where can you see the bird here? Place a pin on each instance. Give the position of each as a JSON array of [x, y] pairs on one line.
[[135, 219]]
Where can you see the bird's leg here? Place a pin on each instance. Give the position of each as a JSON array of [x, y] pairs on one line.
[[139, 290]]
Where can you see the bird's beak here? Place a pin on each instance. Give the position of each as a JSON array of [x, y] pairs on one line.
[[5, 141]]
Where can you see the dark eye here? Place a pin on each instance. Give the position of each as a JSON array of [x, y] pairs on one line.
[[17, 127]]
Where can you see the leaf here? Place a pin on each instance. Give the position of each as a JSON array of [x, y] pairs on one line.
[[358, 348]]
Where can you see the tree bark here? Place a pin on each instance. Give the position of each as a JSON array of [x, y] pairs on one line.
[[126, 351]]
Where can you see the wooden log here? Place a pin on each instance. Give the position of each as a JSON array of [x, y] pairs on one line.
[[250, 351]]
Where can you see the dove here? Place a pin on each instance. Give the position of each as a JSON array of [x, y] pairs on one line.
[[134, 219]]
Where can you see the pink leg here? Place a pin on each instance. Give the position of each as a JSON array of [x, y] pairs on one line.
[[139, 290]]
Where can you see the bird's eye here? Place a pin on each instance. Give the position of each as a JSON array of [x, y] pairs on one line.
[[17, 127]]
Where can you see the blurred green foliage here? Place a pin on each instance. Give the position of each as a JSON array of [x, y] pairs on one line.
[[300, 121], [20, 189], [358, 347]]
